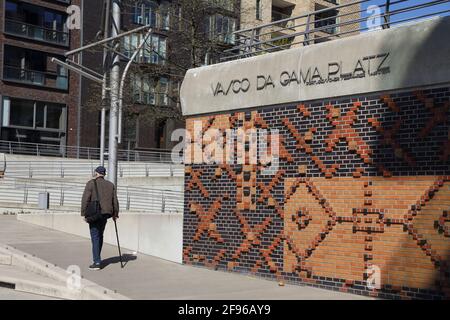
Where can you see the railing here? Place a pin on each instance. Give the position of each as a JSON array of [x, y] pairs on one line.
[[34, 32], [67, 196], [36, 149], [85, 168], [331, 23], [35, 77], [277, 16]]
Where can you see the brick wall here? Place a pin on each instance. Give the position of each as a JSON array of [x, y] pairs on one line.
[[362, 182]]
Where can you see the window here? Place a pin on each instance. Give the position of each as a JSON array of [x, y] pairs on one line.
[[11, 10], [149, 13], [163, 91], [154, 50], [165, 15], [221, 28], [54, 117], [326, 18], [62, 77], [149, 90], [258, 10], [33, 114], [21, 113]]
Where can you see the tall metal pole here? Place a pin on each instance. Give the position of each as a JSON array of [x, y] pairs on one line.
[[114, 85], [104, 85]]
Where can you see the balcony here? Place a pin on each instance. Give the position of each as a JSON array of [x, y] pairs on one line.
[[35, 77], [30, 31]]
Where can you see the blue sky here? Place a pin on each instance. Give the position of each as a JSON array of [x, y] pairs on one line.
[[409, 3]]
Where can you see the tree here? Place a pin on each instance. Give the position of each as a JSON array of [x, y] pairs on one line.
[[193, 32]]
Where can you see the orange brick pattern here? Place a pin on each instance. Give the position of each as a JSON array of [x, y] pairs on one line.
[[363, 182]]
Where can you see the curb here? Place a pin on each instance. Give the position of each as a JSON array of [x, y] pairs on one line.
[[88, 290]]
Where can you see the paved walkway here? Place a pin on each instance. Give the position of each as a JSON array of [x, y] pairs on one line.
[[146, 277]]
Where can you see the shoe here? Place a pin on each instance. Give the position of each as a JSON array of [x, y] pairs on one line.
[[95, 266]]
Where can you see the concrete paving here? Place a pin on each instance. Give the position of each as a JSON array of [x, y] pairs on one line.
[[146, 277]]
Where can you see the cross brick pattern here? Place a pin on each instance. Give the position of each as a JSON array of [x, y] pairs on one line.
[[362, 182]]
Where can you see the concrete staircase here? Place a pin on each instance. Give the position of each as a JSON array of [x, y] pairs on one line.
[[25, 273]]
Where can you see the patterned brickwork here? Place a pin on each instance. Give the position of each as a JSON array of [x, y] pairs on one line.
[[362, 182]]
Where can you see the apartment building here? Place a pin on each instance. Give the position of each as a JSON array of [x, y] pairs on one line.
[[260, 12], [40, 101]]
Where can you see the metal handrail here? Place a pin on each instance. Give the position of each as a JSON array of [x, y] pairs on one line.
[[68, 195], [85, 168], [309, 29], [75, 152], [33, 76], [280, 47]]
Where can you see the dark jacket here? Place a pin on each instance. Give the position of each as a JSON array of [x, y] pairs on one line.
[[108, 196]]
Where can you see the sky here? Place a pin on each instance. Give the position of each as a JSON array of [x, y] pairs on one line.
[[409, 14]]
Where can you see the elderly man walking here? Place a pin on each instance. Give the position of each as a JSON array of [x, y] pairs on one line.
[[99, 203]]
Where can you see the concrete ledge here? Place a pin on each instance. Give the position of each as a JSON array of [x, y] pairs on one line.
[[5, 259], [158, 235]]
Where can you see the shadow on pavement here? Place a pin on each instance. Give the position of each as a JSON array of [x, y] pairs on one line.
[[113, 260]]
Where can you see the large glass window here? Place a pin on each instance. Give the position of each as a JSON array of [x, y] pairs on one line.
[[33, 114], [54, 117], [326, 18], [150, 13], [21, 113], [149, 90], [154, 50], [221, 28]]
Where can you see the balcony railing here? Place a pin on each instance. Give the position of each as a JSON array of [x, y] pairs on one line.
[[331, 23], [40, 149], [35, 77], [34, 32]]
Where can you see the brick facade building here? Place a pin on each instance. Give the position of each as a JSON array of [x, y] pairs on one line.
[[40, 101]]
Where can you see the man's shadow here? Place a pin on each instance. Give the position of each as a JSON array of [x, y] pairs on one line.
[[113, 260]]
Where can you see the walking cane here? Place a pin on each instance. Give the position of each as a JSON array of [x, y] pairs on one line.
[[118, 244]]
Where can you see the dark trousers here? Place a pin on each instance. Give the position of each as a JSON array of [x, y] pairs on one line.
[[97, 229]]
